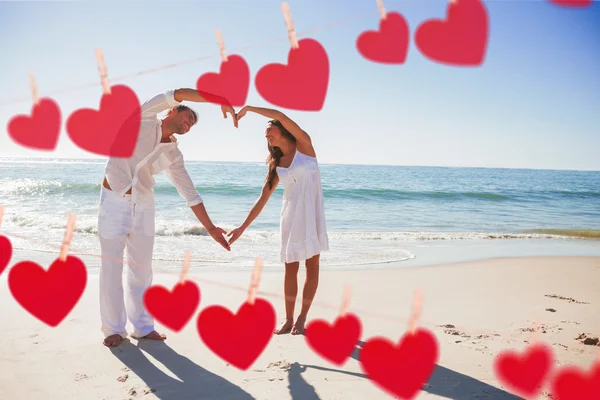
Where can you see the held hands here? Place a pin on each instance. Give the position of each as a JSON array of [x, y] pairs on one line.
[[237, 116], [229, 109], [242, 112], [235, 234], [217, 234]]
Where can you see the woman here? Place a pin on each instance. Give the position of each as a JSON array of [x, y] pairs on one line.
[[292, 161]]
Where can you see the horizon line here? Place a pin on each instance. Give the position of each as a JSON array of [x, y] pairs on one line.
[[341, 164]]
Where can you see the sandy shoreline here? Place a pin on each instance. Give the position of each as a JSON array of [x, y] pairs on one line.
[[492, 304]]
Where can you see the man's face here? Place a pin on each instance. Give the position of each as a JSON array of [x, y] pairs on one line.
[[184, 120]]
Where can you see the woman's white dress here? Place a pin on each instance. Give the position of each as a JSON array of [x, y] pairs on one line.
[[302, 224]]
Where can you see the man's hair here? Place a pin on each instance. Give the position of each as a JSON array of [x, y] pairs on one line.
[[184, 108]]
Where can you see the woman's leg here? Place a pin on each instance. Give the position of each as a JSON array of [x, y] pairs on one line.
[[290, 290], [308, 294]]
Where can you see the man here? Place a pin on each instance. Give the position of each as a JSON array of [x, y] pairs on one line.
[[126, 211]]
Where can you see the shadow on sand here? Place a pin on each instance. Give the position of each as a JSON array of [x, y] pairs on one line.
[[193, 381], [443, 382]]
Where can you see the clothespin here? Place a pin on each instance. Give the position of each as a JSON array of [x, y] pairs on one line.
[[258, 263], [345, 301], [64, 249], [103, 72], [221, 45], [417, 306], [382, 12], [287, 16], [186, 267], [34, 89]]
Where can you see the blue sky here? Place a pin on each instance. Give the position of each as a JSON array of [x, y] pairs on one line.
[[535, 102]]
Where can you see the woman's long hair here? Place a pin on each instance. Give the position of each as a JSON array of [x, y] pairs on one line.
[[275, 152]]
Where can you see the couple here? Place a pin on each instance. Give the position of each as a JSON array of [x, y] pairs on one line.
[[126, 217]]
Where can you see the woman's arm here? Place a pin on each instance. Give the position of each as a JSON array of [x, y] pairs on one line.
[[303, 139], [258, 206]]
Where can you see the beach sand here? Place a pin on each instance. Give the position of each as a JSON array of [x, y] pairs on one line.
[[493, 304]]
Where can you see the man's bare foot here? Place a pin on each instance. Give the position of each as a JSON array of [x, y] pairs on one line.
[[113, 340], [286, 327], [154, 336], [298, 328]]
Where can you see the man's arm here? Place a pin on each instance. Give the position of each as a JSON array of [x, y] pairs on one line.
[[214, 231], [159, 103], [177, 174], [199, 96], [186, 94]]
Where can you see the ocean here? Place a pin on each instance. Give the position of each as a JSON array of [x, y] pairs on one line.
[[375, 214]]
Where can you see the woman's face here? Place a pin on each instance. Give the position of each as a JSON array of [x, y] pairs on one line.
[[273, 135]]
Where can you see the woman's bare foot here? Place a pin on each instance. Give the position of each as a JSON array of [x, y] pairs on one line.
[[286, 327], [154, 336], [113, 340], [298, 328]]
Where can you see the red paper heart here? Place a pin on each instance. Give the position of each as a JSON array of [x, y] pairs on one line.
[[5, 252], [302, 83], [232, 82], [114, 129], [41, 130], [572, 3], [401, 369], [238, 338], [173, 309], [48, 295], [525, 374], [572, 383], [459, 40], [334, 342], [389, 44]]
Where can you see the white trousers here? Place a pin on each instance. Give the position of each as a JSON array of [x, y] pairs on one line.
[[124, 225]]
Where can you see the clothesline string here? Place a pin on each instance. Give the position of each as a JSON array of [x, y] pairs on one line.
[[214, 54]]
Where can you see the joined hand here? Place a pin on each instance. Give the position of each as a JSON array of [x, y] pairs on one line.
[[229, 109], [217, 234], [242, 112], [235, 234]]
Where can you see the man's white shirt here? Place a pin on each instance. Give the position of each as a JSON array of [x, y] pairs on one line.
[[151, 157]]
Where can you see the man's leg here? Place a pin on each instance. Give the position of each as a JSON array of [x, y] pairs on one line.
[[112, 304], [114, 221], [140, 244]]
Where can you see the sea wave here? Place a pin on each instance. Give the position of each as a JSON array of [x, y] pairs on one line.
[[168, 229], [165, 227], [27, 187]]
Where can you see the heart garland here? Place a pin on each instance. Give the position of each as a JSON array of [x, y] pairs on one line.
[[459, 40], [301, 84], [239, 338]]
